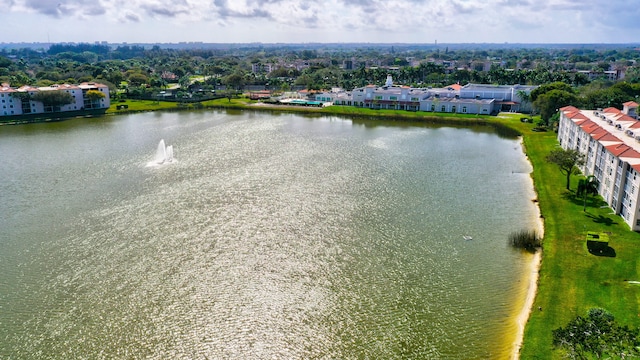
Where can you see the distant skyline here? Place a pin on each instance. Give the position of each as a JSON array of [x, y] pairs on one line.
[[329, 21]]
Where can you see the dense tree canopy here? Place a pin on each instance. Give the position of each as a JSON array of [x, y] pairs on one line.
[[94, 95], [234, 81], [53, 97], [549, 103], [597, 335], [543, 89]]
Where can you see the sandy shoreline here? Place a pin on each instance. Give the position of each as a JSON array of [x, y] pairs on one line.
[[533, 272], [523, 317]]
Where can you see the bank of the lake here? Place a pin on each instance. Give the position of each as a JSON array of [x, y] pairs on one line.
[[571, 280]]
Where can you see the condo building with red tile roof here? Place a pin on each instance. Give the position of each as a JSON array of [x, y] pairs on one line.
[[610, 141], [17, 102]]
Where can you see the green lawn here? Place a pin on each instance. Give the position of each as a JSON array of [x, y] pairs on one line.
[[572, 280], [141, 105]]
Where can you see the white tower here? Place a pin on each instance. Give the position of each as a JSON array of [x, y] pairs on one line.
[[389, 81]]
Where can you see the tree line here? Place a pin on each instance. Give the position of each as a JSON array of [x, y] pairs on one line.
[[132, 70]]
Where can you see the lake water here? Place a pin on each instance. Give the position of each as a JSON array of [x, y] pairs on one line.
[[268, 237]]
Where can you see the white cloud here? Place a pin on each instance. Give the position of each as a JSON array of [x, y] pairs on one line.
[[349, 20]]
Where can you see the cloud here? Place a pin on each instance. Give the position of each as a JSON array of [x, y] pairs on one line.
[[613, 14], [59, 8], [130, 17], [52, 8], [408, 20]]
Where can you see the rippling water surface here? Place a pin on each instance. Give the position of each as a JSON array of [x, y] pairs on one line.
[[279, 237]]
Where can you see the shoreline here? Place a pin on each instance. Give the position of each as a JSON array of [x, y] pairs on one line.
[[533, 274]]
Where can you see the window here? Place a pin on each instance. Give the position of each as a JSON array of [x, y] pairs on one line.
[[393, 98], [453, 108], [442, 108], [378, 97], [464, 109], [415, 99], [433, 108]]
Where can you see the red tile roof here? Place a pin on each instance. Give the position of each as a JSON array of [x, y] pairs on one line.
[[589, 126], [577, 115], [612, 110], [598, 135], [631, 153], [569, 108], [610, 137], [617, 149]]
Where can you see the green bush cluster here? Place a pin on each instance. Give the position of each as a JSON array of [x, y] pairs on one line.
[[598, 335]]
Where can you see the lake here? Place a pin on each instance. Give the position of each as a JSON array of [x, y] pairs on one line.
[[275, 236]]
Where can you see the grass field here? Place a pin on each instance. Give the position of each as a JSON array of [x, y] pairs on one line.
[[572, 280]]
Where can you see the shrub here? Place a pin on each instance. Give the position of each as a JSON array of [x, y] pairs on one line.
[[525, 239]]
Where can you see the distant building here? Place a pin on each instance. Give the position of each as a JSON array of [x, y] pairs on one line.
[[507, 97], [259, 68], [15, 102], [334, 96], [611, 75], [610, 141], [468, 99]]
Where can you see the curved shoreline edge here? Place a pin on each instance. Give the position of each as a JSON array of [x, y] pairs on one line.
[[532, 290], [533, 274]]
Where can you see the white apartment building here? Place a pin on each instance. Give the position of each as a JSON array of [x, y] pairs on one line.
[[468, 99], [610, 140], [15, 102], [507, 97]]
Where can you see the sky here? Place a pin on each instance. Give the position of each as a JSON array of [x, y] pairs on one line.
[[324, 21]]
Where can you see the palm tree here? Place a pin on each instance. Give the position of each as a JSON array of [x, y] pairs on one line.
[[587, 186], [524, 97]]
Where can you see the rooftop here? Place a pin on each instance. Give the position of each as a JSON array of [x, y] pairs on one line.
[[617, 132]]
